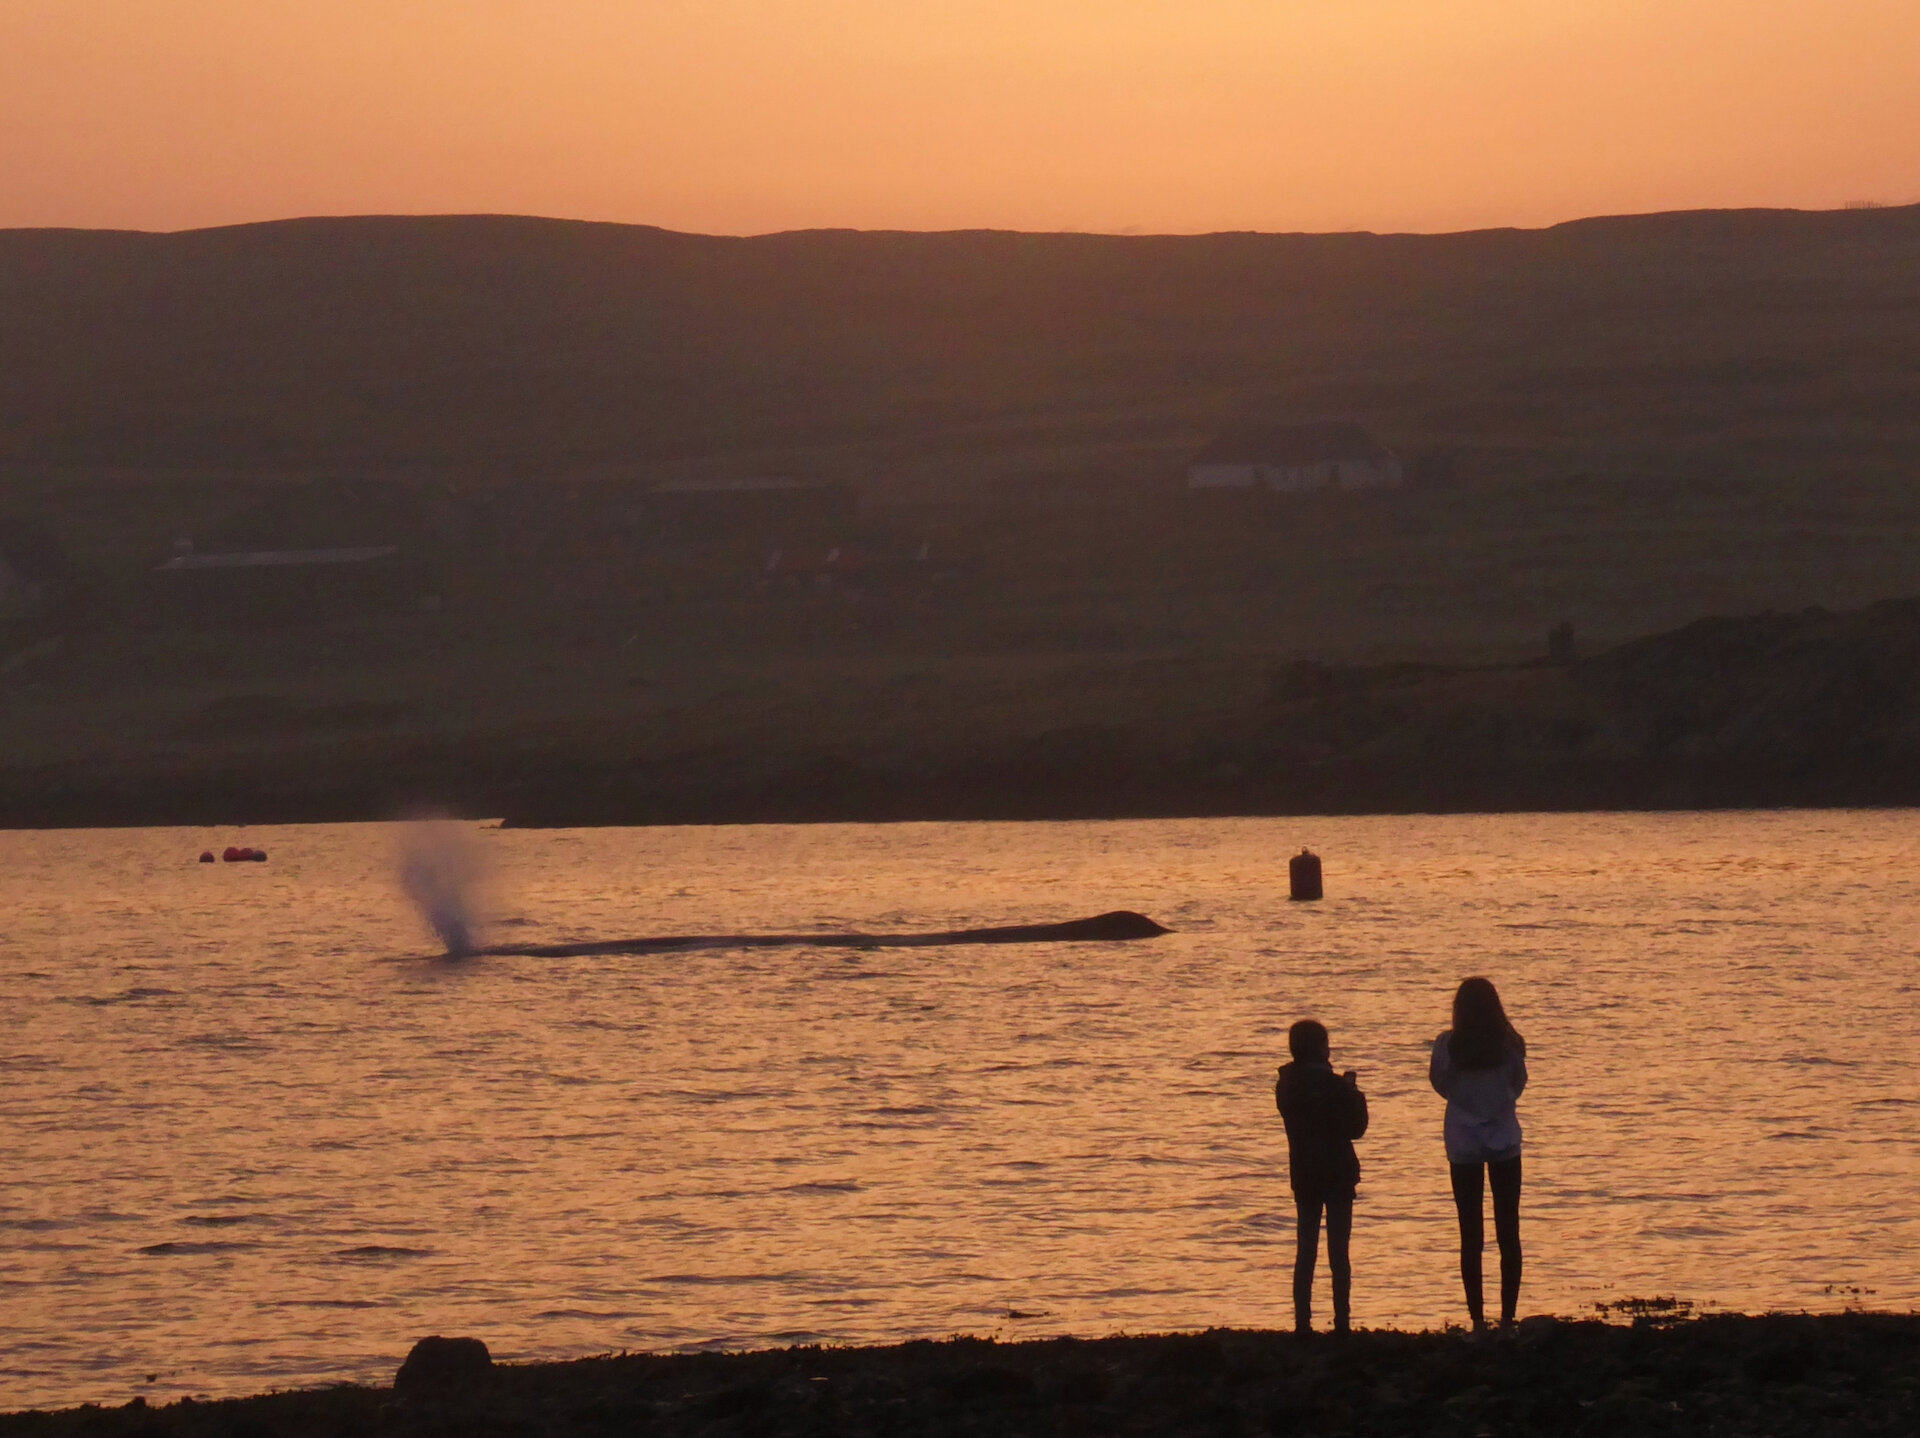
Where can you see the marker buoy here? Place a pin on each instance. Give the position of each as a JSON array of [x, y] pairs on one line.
[[1303, 875], [206, 856], [236, 854]]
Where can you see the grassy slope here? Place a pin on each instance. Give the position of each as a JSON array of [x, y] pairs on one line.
[[503, 341], [538, 342]]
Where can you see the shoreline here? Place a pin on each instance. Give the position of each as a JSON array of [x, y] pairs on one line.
[[1855, 1373], [607, 799]]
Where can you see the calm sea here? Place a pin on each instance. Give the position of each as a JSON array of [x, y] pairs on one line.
[[258, 1135]]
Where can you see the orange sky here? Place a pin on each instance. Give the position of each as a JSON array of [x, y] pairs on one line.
[[752, 115]]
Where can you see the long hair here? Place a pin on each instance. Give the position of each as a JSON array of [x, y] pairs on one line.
[[1482, 1035]]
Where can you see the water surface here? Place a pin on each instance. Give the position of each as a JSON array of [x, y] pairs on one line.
[[258, 1135]]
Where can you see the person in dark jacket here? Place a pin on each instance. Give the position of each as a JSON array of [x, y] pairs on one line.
[[1324, 1114]]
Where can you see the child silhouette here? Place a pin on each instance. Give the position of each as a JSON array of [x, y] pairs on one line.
[[1324, 1113]]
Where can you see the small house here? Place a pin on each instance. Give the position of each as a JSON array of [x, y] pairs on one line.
[[1295, 458]]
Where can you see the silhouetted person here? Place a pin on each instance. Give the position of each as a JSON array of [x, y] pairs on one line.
[[1324, 1114], [1480, 1067]]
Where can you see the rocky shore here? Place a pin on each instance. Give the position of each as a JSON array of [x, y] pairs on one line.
[[1852, 1374]]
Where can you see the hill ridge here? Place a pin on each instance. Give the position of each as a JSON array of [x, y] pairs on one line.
[[531, 341]]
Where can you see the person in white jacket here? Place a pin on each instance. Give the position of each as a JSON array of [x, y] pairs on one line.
[[1479, 1067]]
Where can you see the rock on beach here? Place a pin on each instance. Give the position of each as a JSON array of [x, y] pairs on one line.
[[438, 1362]]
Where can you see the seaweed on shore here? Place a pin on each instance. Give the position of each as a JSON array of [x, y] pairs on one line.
[[1856, 1374]]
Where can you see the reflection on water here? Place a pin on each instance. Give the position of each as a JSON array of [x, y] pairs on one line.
[[257, 1135]]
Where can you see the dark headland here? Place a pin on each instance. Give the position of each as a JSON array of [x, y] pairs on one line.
[[633, 526], [1856, 1375], [1806, 709]]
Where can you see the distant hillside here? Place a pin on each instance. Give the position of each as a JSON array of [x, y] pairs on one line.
[[1645, 420], [529, 343], [1812, 708], [1808, 709]]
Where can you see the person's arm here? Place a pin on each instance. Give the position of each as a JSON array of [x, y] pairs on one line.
[[1440, 1067], [1357, 1116], [1517, 1068]]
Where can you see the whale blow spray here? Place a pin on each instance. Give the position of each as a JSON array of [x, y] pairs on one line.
[[442, 873]]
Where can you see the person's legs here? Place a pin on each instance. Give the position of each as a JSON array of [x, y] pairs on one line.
[[1504, 1179], [1339, 1231], [1469, 1197], [1307, 1239]]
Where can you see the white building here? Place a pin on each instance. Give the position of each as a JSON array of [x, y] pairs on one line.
[[1294, 458]]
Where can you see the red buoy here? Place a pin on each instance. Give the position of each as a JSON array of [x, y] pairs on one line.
[[206, 856]]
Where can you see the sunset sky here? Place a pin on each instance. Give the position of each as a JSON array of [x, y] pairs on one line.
[[741, 116]]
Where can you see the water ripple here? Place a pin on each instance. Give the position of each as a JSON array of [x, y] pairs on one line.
[[337, 1141]]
